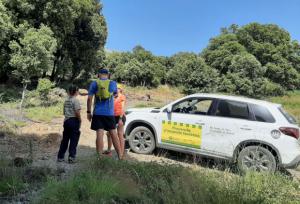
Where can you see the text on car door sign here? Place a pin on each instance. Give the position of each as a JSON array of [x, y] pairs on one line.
[[181, 134]]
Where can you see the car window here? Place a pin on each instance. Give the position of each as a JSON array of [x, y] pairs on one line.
[[232, 109], [262, 114], [193, 106], [202, 107], [289, 117]]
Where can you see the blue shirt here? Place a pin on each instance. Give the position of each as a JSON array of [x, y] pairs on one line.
[[105, 107]]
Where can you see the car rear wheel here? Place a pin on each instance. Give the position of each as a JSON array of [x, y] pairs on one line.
[[256, 158], [141, 140]]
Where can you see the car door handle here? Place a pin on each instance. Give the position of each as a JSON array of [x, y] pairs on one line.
[[245, 128], [200, 123]]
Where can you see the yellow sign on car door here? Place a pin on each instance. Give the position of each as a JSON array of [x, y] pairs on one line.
[[181, 134]]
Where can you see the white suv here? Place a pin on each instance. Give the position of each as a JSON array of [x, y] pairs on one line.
[[257, 135]]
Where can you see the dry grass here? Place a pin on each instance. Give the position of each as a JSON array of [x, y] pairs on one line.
[[160, 96], [290, 102], [44, 114]]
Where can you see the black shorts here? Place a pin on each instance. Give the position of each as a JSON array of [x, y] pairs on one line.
[[117, 118], [103, 122]]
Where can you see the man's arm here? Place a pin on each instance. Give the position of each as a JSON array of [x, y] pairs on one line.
[[77, 108], [123, 105], [77, 113], [89, 103], [89, 107], [120, 122], [113, 88], [115, 94], [91, 93]]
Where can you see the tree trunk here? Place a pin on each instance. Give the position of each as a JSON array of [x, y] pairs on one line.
[[74, 73], [44, 74], [23, 95], [57, 60], [52, 77]]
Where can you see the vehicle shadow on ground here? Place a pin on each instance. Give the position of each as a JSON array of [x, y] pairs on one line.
[[206, 162], [216, 164], [43, 147]]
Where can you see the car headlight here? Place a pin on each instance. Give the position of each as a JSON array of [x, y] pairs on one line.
[[128, 112]]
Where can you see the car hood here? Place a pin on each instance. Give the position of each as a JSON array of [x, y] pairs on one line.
[[146, 110]]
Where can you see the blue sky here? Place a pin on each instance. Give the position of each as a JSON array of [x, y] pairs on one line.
[[166, 27]]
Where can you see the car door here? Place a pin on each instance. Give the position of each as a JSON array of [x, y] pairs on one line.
[[185, 125], [266, 128], [231, 124]]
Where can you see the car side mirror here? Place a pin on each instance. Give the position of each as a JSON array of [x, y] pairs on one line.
[[169, 109]]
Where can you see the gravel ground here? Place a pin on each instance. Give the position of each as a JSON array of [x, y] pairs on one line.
[[45, 139]]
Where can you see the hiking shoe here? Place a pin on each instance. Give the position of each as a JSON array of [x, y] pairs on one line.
[[72, 160], [60, 159]]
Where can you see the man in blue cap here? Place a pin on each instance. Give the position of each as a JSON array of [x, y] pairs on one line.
[[102, 117]]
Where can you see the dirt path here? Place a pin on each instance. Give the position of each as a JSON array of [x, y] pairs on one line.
[[51, 133], [49, 137]]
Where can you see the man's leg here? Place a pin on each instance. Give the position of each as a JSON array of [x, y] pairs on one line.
[[99, 141], [74, 139], [64, 142], [109, 142], [120, 131], [116, 142]]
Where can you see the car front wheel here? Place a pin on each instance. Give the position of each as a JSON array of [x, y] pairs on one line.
[[141, 140], [256, 158]]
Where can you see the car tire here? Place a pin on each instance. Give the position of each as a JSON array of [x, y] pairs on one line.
[[256, 158], [141, 140]]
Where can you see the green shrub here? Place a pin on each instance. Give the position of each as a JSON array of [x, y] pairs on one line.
[[89, 187], [56, 95], [269, 88], [32, 99], [44, 95], [166, 183], [35, 175], [202, 79], [8, 94], [10, 179], [14, 179], [11, 184], [43, 88]]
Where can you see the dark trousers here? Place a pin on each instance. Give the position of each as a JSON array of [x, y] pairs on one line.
[[71, 134]]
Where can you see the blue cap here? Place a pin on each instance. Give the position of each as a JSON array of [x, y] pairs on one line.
[[103, 71]]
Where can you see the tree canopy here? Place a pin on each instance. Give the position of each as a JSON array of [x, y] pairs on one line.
[[33, 54], [77, 27], [253, 60], [257, 53], [64, 41], [137, 68]]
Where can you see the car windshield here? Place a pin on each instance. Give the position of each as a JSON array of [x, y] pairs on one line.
[[289, 117]]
